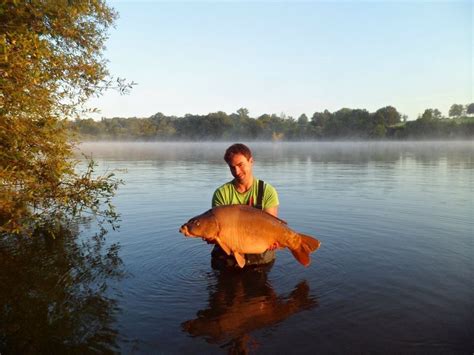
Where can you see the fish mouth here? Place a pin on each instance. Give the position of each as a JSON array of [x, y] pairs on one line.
[[184, 229]]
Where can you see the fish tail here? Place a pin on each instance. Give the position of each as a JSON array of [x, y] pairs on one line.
[[308, 245]]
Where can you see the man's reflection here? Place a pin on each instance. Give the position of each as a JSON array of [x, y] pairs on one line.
[[242, 302]]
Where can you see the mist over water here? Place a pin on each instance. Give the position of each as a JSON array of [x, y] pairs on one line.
[[212, 152], [394, 272]]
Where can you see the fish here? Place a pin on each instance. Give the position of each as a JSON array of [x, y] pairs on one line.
[[242, 229]]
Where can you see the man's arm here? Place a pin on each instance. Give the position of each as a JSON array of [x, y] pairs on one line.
[[270, 202], [272, 210], [217, 199]]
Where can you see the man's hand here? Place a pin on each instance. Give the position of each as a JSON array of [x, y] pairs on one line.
[[274, 246]]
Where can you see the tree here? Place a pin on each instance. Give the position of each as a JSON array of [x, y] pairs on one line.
[[51, 64], [303, 120], [164, 125], [470, 109], [379, 131], [437, 114], [216, 124], [456, 110], [319, 121], [431, 114], [388, 115], [243, 113], [241, 123]]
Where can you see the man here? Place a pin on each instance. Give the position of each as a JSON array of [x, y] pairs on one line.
[[244, 189]]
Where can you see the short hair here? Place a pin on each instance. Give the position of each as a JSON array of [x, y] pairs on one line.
[[237, 148]]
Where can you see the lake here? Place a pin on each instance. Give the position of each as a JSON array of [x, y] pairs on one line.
[[394, 272]]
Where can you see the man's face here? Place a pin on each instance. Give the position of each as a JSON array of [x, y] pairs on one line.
[[240, 167]]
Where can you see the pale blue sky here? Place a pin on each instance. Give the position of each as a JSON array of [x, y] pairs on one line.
[[291, 57]]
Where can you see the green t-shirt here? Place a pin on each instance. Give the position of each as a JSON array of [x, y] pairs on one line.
[[228, 195]]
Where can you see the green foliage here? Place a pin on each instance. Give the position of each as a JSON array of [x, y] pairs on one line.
[[51, 64], [431, 114], [470, 109], [379, 131], [456, 110], [385, 123], [388, 116], [424, 128]]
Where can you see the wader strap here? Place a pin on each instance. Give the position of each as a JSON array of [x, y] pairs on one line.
[[260, 192]]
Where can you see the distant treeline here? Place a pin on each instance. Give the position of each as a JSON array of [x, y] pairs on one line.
[[385, 123]]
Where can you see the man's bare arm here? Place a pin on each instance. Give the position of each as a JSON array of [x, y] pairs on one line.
[[272, 210]]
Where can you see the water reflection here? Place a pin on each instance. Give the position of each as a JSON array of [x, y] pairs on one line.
[[241, 303], [54, 293]]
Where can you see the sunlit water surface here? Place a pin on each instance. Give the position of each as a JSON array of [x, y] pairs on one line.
[[394, 272]]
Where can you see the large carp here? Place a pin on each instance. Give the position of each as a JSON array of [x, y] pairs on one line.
[[241, 229]]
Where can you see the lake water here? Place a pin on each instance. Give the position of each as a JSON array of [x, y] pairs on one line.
[[395, 272]]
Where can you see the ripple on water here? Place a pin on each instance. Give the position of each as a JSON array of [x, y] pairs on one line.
[[325, 274], [182, 268]]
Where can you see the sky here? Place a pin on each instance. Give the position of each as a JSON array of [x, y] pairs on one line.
[[289, 57]]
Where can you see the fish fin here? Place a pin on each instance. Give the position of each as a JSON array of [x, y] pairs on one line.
[[279, 219], [223, 246], [308, 245], [240, 259], [301, 255]]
